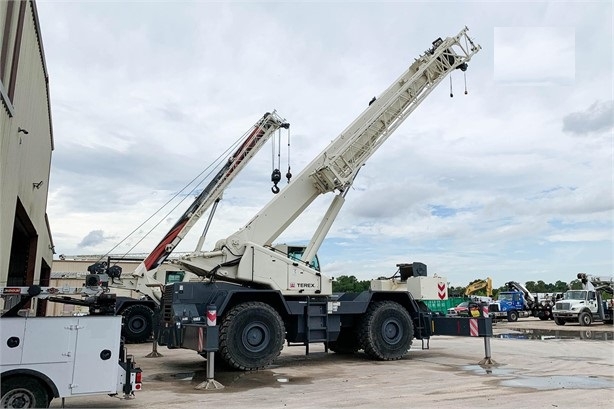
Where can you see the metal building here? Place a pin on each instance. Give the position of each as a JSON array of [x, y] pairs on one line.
[[26, 145]]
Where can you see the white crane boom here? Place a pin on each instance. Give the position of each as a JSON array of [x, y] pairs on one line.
[[592, 282], [247, 257]]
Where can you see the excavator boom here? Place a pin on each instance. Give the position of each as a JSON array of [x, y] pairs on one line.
[[478, 285]]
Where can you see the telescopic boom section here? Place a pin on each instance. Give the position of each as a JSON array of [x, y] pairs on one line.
[[335, 169], [515, 286], [257, 136]]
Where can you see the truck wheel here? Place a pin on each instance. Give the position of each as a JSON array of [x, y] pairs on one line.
[[24, 392], [251, 336], [138, 323], [559, 321], [386, 331], [585, 318], [512, 316], [346, 343]]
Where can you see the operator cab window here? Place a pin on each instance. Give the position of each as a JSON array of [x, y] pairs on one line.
[[296, 253]]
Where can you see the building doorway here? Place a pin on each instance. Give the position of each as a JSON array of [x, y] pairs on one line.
[[23, 251]]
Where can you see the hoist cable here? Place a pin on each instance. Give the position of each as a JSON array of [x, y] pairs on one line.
[[288, 173], [210, 168]]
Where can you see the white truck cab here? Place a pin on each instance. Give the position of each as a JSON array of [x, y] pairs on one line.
[[585, 306]]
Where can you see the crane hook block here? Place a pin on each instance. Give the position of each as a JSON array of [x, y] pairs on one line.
[[275, 178], [288, 174]]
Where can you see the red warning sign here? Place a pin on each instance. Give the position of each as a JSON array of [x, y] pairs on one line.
[[441, 293], [211, 317]]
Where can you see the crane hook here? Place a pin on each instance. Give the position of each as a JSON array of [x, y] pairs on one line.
[[275, 178]]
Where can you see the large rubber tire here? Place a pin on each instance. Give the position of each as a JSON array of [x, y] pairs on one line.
[[512, 316], [386, 331], [24, 392], [138, 323], [559, 321], [251, 336], [585, 318], [346, 343]]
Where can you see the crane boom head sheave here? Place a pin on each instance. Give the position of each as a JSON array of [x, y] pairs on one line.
[[343, 158]]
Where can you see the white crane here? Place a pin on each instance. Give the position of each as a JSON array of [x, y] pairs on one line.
[[247, 256]]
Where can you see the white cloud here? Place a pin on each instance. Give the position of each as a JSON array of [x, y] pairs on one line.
[[145, 95], [534, 55], [598, 117]]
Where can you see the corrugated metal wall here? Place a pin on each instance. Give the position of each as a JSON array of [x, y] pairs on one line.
[[25, 158]]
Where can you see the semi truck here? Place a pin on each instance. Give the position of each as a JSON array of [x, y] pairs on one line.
[[586, 305], [139, 312], [265, 298], [517, 302], [58, 357]]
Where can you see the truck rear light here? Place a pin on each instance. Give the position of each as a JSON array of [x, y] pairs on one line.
[[136, 376]]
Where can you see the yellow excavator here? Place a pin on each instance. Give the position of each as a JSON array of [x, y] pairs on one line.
[[478, 285], [475, 310]]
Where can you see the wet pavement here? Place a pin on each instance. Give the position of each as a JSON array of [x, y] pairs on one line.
[[234, 381], [537, 364], [547, 334], [515, 378]]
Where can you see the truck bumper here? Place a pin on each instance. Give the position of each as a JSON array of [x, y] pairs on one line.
[[565, 314]]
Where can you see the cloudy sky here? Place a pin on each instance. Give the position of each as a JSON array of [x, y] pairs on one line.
[[511, 181]]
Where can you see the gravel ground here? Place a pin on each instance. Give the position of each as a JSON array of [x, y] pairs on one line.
[[538, 365]]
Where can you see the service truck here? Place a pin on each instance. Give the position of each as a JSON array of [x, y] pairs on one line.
[[587, 305], [59, 357], [265, 298]]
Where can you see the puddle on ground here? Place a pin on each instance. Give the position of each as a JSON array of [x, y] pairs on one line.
[[511, 379], [234, 381], [559, 382], [546, 334]]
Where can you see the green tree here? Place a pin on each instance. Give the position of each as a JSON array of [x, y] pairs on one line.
[[531, 286], [575, 284], [456, 291], [502, 288], [350, 284], [560, 286], [541, 287]]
